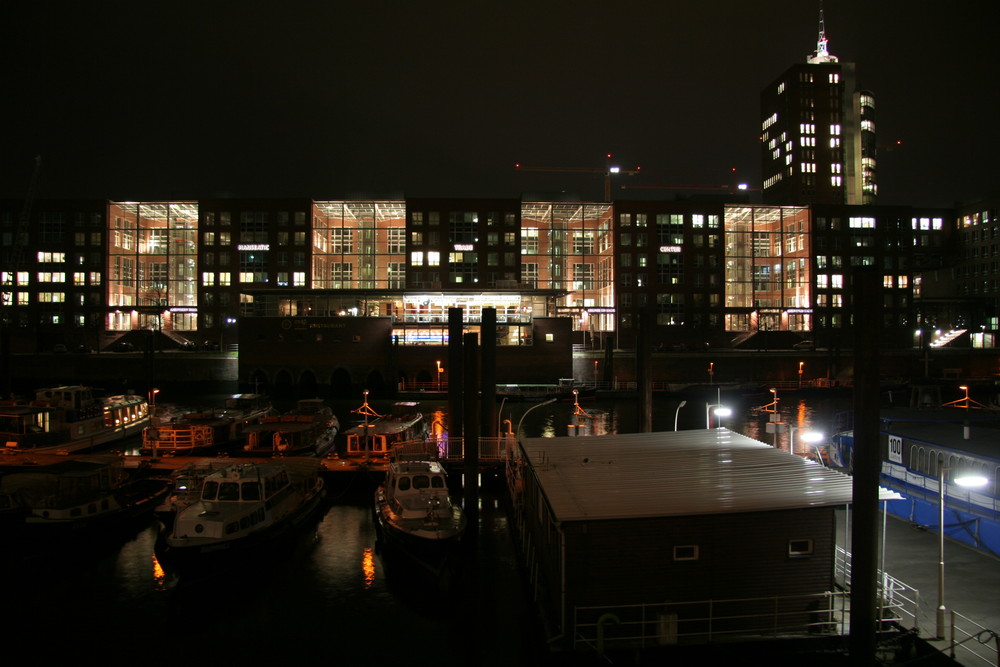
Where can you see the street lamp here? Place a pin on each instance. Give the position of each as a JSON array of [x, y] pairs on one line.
[[439, 375], [719, 411], [677, 412], [968, 480], [521, 420], [810, 437], [711, 372], [800, 374], [595, 374]]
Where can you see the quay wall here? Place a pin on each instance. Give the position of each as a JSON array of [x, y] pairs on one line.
[[117, 372], [748, 366]]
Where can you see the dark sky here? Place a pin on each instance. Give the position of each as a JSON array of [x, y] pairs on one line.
[[285, 98]]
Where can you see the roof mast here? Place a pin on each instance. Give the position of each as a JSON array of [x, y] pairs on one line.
[[822, 55]]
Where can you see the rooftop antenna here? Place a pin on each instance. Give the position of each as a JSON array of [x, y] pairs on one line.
[[822, 55]]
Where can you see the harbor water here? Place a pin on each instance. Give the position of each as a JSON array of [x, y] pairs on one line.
[[329, 595]]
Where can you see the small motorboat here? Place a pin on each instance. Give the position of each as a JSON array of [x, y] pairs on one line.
[[415, 514], [243, 505]]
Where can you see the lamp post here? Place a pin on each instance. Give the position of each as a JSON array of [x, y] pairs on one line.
[[439, 375], [967, 480], [810, 437], [711, 372], [595, 374], [155, 433], [521, 420], [677, 412], [800, 373]]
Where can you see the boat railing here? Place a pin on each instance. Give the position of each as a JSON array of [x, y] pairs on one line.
[[490, 450]]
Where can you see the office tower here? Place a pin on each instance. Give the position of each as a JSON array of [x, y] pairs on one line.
[[818, 134]]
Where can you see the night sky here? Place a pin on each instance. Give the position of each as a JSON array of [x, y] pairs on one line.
[[171, 100]]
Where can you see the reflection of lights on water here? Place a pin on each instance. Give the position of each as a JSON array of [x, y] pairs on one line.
[[368, 566], [159, 575]]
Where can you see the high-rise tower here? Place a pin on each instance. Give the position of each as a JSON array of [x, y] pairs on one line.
[[818, 133]]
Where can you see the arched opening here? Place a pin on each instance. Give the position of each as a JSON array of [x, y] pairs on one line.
[[283, 384], [308, 385], [341, 385], [375, 384]]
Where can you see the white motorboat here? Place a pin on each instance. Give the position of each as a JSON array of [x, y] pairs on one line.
[[415, 513], [244, 505]]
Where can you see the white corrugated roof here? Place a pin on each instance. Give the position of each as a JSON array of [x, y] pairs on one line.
[[709, 471]]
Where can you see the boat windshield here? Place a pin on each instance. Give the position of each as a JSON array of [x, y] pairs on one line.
[[210, 490], [229, 491], [251, 491], [421, 481]]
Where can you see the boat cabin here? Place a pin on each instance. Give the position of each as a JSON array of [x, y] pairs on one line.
[[244, 483], [411, 486]]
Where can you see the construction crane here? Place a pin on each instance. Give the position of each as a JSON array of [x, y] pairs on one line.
[[608, 172], [733, 187]]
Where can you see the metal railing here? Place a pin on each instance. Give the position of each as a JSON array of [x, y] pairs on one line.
[[706, 621], [899, 602], [452, 450], [971, 642]]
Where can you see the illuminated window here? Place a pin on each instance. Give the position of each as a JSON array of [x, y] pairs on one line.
[[298, 279], [835, 130], [836, 280], [433, 258], [834, 77], [208, 278], [225, 279], [51, 297], [529, 241], [397, 240], [417, 258], [79, 278], [862, 223]]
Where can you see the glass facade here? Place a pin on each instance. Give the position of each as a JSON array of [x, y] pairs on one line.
[[152, 266]]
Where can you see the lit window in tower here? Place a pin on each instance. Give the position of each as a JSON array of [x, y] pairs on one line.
[[835, 129], [867, 126], [835, 168], [836, 181], [834, 77], [808, 167], [834, 142], [807, 128]]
